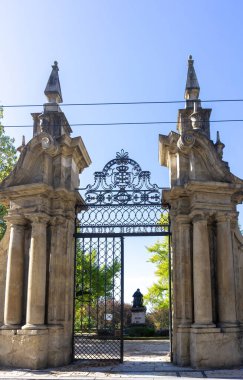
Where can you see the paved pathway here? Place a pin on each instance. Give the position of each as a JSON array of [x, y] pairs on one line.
[[144, 360]]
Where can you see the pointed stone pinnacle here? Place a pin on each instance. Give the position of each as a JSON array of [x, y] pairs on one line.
[[53, 87], [21, 147], [219, 146], [192, 86]]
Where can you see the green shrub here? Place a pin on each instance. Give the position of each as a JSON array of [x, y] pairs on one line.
[[140, 331]]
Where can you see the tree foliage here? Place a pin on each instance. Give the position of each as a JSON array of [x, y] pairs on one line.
[[7, 160], [95, 283], [157, 297]]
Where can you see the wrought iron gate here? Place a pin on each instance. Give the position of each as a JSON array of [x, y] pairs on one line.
[[121, 202]]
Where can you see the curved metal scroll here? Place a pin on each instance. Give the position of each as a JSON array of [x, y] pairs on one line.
[[122, 182], [123, 201]]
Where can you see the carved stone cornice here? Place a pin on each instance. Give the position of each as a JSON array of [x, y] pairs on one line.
[[21, 191]]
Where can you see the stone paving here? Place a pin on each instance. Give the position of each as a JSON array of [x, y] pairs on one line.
[[144, 360]]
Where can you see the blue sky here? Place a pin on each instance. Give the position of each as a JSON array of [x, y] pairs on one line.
[[124, 50]]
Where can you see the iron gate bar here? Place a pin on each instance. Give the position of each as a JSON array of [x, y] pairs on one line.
[[88, 345], [122, 298]]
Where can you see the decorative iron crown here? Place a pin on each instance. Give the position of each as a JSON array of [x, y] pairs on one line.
[[122, 182]]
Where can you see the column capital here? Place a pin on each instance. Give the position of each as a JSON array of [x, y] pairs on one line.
[[56, 220], [38, 218], [234, 220], [183, 219], [199, 216], [222, 217], [17, 220], [70, 215]]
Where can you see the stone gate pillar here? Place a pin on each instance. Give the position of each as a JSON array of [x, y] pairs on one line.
[[36, 288], [13, 307], [207, 244], [42, 196], [225, 272], [203, 313]]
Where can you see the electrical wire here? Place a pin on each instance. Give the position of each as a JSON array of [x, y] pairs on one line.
[[129, 123], [122, 103]]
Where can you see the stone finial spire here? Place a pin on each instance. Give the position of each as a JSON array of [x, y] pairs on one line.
[[219, 146], [52, 120], [192, 86], [53, 87]]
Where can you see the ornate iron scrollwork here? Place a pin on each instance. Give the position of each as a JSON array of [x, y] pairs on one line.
[[122, 182]]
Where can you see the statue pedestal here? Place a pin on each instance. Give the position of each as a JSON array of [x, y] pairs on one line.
[[138, 315]]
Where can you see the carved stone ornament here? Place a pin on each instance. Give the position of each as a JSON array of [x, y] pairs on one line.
[[196, 121], [48, 143], [45, 142], [44, 122], [186, 142]]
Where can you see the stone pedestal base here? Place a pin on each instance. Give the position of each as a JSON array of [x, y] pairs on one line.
[[183, 346], [212, 348], [138, 315], [35, 349]]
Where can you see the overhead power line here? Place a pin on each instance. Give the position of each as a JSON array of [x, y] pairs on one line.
[[129, 123], [121, 103]]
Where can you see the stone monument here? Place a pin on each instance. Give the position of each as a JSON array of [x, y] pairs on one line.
[[37, 253], [138, 309], [207, 243]]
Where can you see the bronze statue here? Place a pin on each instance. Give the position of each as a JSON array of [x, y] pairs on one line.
[[137, 299]]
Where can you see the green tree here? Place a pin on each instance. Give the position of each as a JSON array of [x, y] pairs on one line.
[[95, 284], [157, 297], [7, 160]]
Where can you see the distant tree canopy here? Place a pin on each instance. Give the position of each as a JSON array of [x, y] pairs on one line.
[[8, 158], [157, 297], [95, 289]]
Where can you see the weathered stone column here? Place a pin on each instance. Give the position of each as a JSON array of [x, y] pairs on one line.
[[57, 268], [15, 274], [184, 296], [201, 273], [36, 294], [184, 250], [225, 273]]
